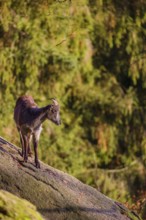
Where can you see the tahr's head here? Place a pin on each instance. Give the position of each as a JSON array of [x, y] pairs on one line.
[[54, 113]]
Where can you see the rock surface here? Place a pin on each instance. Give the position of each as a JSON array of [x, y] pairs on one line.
[[57, 195]]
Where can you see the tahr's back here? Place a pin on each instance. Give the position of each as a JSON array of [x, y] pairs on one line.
[[23, 103]]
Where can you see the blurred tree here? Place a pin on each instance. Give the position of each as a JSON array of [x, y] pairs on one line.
[[91, 57]]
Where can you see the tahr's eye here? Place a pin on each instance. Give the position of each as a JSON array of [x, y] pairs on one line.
[[53, 110]]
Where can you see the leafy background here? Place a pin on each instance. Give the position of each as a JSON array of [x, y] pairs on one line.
[[90, 55]]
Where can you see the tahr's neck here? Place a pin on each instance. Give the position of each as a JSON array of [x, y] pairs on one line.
[[40, 115]]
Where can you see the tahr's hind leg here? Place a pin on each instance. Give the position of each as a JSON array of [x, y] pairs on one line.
[[21, 142], [29, 147]]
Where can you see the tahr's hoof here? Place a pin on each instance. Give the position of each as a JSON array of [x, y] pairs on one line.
[[20, 153], [30, 154], [25, 159], [37, 165]]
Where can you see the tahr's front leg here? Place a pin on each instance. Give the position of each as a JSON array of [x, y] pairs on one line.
[[37, 163], [29, 148], [26, 141], [36, 137]]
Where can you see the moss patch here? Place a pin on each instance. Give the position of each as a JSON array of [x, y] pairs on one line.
[[12, 207]]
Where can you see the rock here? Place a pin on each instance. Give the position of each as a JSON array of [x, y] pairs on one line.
[[57, 195], [14, 208]]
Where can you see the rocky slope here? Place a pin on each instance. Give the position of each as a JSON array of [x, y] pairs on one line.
[[57, 195]]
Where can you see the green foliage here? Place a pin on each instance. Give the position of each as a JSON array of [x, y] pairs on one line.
[[91, 57]]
